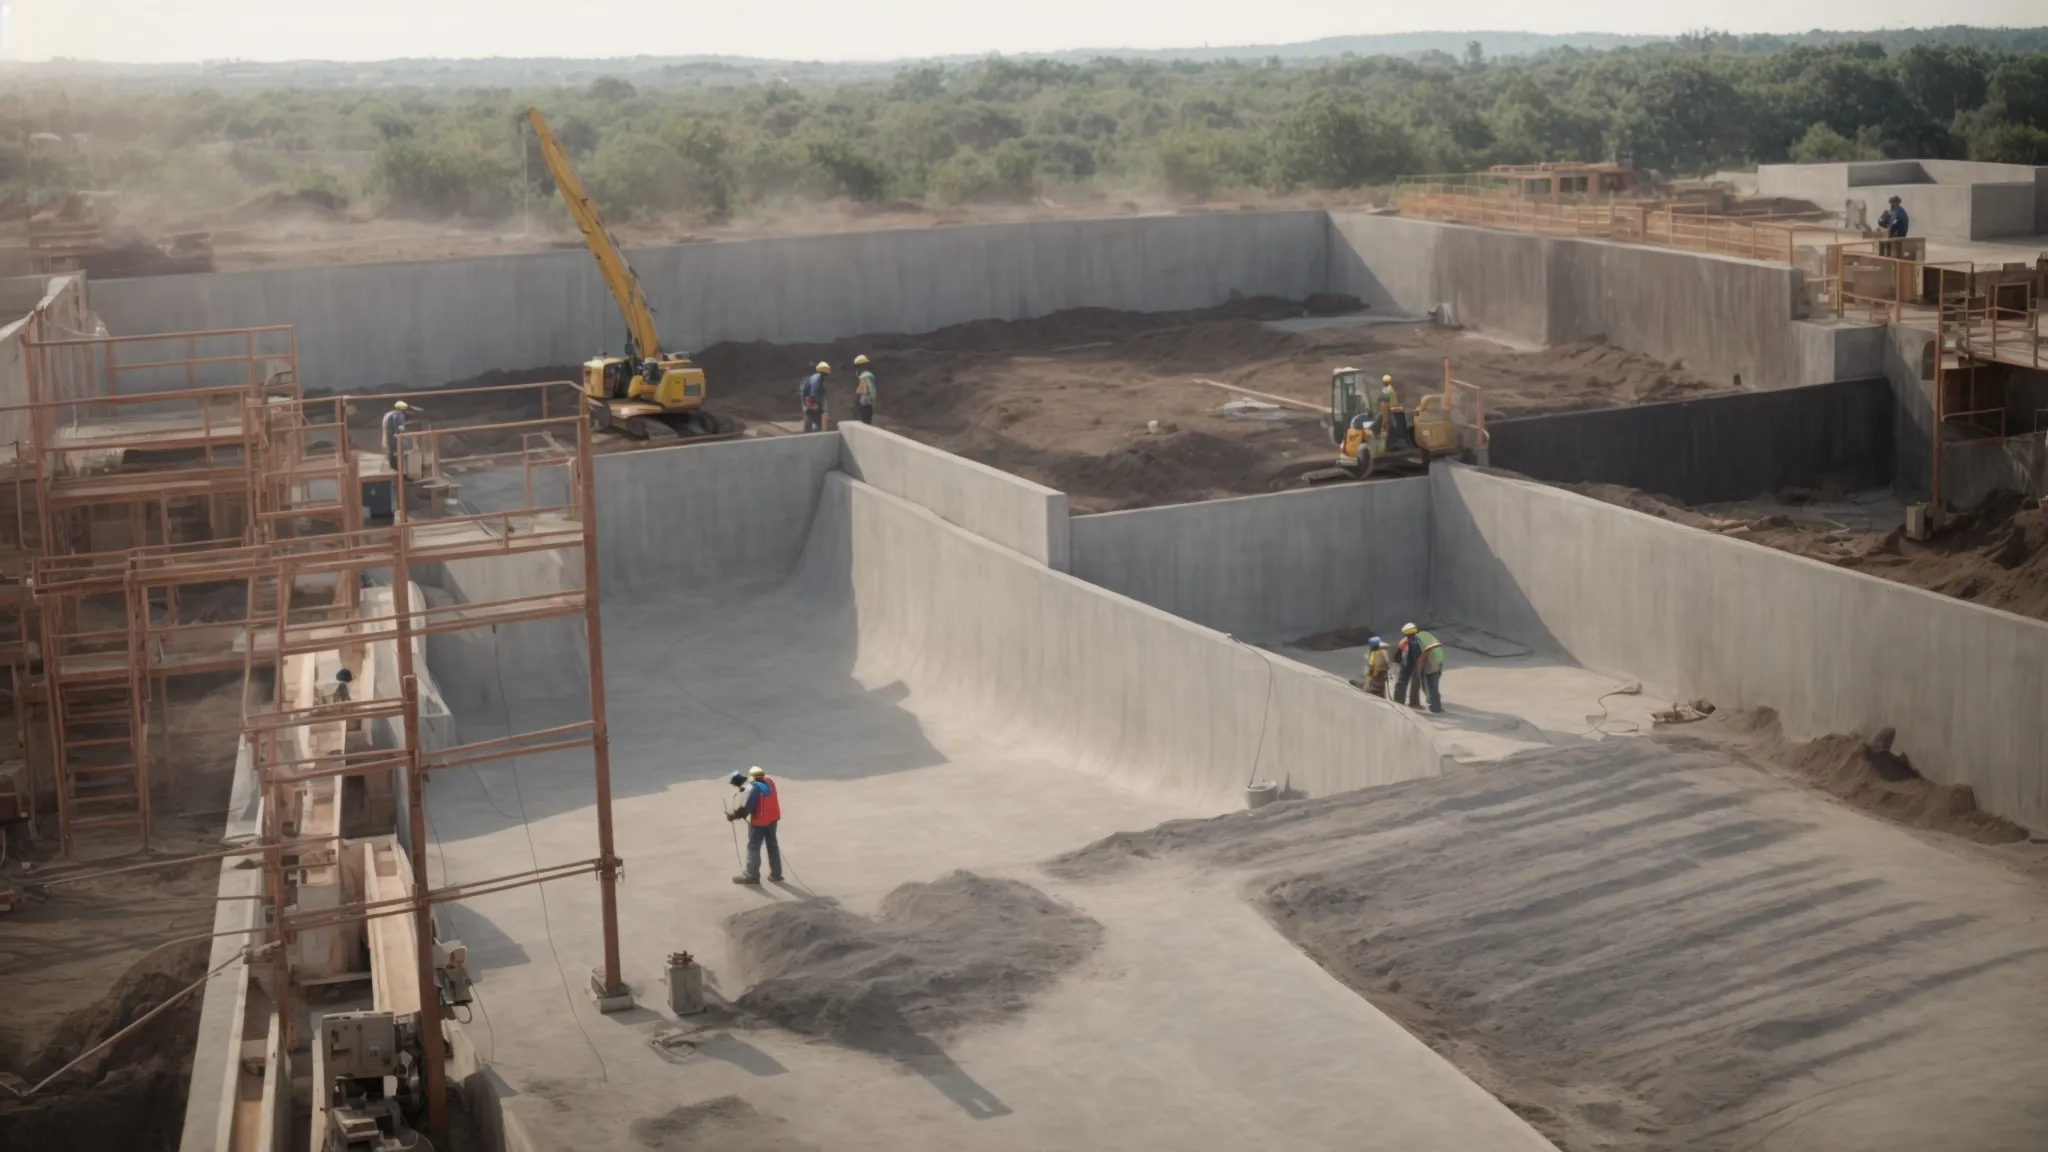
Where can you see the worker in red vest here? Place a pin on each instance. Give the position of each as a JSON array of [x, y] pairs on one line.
[[761, 807]]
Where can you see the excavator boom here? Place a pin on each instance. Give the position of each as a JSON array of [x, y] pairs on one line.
[[611, 262]]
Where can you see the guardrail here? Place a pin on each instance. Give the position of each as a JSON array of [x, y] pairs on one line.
[[1660, 226]]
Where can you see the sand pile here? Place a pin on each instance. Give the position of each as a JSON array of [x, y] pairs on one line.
[[1866, 773], [1646, 945], [957, 951]]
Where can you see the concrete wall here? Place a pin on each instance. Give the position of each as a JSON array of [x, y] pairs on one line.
[[1695, 614], [1105, 683], [1946, 199], [426, 323], [210, 1096], [1968, 472], [1714, 448], [1720, 317], [1021, 516], [709, 514], [1275, 567]]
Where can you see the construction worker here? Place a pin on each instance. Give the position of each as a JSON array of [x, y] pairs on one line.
[[1376, 668], [1424, 654], [761, 807], [812, 393], [863, 392], [1406, 654], [1393, 421], [342, 679], [1893, 223], [394, 423]]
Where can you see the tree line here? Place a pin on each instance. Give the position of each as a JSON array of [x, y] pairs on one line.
[[1014, 129]]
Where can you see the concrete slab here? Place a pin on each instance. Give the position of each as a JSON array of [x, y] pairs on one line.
[[1499, 703], [1195, 1026]]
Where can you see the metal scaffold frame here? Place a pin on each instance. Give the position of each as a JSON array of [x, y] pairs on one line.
[[143, 482]]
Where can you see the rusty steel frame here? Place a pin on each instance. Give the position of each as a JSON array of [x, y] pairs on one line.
[[287, 446]]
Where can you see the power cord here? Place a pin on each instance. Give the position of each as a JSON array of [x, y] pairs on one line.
[[1632, 688], [1265, 717], [533, 854]]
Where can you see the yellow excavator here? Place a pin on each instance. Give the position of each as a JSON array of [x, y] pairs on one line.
[[647, 387]]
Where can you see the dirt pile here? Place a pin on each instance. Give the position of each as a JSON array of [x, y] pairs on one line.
[[957, 951], [727, 1123], [1646, 944], [132, 1095], [1995, 554], [1864, 772]]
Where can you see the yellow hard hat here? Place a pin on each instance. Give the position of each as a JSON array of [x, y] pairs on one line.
[[402, 406], [824, 367], [1409, 629], [756, 772], [1386, 379], [860, 359]]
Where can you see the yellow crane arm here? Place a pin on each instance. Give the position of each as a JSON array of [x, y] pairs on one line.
[[611, 262]]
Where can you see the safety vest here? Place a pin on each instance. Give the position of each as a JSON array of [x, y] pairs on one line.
[[768, 809], [1376, 664], [1432, 652]]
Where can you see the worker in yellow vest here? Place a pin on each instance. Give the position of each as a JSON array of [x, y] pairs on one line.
[[1423, 653], [1376, 668]]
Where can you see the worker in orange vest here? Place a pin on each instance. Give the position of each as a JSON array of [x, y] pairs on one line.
[[761, 807]]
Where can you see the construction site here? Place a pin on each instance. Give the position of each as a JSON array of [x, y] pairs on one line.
[[369, 779]]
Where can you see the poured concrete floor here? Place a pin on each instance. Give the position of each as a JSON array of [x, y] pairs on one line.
[[1194, 1026]]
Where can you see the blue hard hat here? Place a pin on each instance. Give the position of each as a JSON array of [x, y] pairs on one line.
[[1372, 642]]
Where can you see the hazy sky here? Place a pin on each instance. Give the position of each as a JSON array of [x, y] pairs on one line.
[[173, 30]]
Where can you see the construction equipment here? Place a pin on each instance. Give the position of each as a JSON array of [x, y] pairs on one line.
[[369, 1071], [1366, 439], [647, 388]]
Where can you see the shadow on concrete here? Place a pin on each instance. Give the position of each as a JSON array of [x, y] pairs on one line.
[[699, 684]]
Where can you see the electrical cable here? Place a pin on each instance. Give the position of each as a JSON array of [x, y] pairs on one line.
[[533, 853], [1632, 688], [1266, 716]]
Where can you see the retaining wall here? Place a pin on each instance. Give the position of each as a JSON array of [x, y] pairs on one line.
[[1016, 513], [1713, 448], [701, 515], [1273, 567], [1695, 614], [211, 1094], [1031, 655], [1722, 318], [426, 323]]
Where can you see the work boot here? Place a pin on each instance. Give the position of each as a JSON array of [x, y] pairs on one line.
[[775, 878], [755, 880]]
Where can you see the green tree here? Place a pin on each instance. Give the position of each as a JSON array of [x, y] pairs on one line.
[[847, 170], [1683, 116], [1328, 143], [1824, 145]]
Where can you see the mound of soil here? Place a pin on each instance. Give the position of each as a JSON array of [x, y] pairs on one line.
[[957, 951], [130, 1096], [727, 1123], [1867, 774], [1995, 554]]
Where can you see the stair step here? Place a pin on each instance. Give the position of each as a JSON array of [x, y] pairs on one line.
[[124, 798], [99, 769], [95, 822]]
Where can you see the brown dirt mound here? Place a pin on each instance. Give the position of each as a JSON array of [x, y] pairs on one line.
[[132, 1095], [1353, 636], [1867, 774], [957, 951], [727, 1123]]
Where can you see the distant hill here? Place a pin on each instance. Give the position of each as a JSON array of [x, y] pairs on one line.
[[707, 71]]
